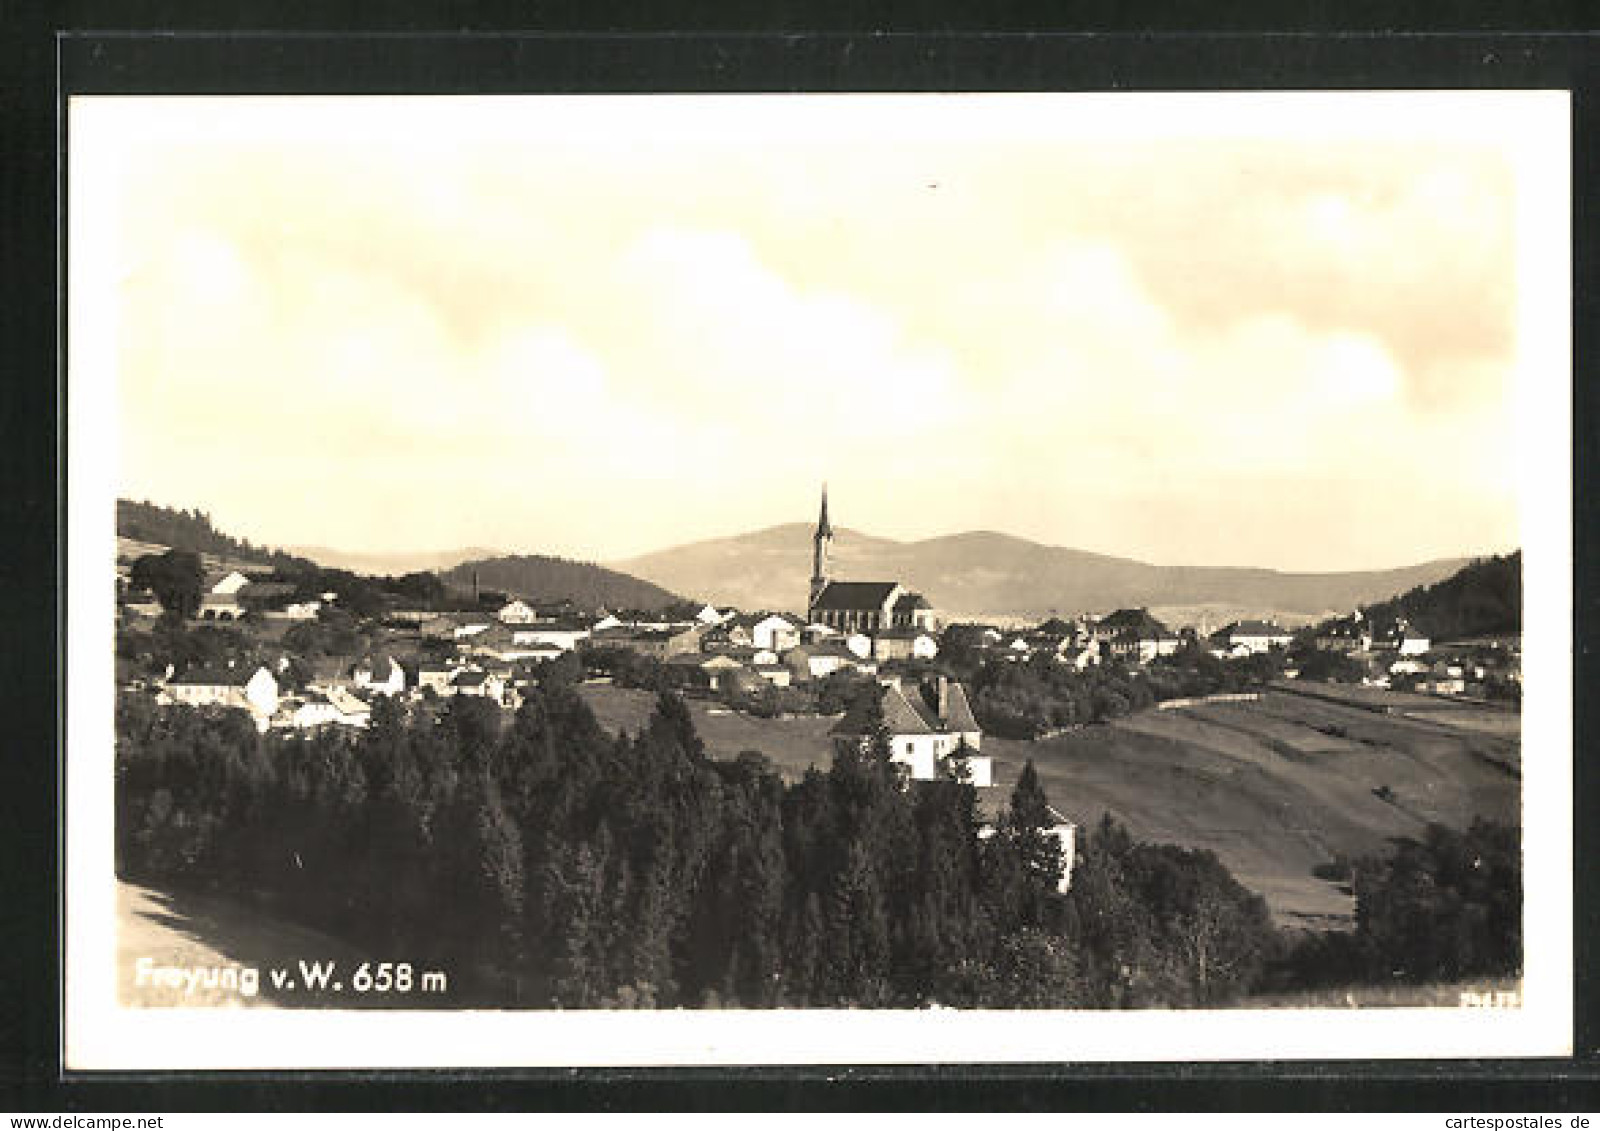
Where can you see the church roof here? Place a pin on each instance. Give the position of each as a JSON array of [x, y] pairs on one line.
[[911, 601], [862, 595]]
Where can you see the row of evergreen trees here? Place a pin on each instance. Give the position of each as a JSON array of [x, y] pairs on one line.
[[544, 863], [190, 530]]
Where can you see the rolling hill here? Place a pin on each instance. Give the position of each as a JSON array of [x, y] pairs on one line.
[[995, 575], [554, 579]]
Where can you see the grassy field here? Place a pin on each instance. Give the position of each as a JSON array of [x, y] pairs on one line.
[[1273, 787], [793, 744], [1276, 787]]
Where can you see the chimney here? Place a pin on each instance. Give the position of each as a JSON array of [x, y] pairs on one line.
[[944, 699]]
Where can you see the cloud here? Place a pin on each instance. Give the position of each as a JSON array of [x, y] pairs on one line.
[[1030, 337]]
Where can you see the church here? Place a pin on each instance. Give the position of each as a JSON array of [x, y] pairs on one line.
[[869, 607]]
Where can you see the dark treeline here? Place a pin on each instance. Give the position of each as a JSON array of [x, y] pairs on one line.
[[544, 863], [1483, 599], [190, 530], [1443, 908]]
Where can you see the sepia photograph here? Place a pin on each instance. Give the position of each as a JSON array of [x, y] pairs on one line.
[[817, 578]]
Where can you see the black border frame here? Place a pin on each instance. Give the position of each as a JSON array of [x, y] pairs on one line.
[[411, 55]]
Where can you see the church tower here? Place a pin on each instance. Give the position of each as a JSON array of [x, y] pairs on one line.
[[821, 546]]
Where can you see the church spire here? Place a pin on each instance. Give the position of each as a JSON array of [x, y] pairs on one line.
[[821, 545]]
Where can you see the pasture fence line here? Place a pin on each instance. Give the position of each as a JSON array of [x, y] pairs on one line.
[[1226, 697]]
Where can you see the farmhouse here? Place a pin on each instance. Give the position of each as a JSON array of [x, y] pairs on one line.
[[254, 690], [773, 631], [922, 733], [1133, 635], [1252, 637], [476, 681]]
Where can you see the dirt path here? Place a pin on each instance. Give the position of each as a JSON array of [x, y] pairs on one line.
[[222, 950]]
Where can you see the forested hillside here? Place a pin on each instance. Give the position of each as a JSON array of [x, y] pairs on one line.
[[1483, 599], [554, 579], [190, 530]]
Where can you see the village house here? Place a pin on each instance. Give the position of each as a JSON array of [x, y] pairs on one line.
[[708, 672], [859, 643], [220, 606], [658, 643], [1344, 635], [254, 690], [922, 733], [471, 624], [333, 707], [708, 615], [438, 676], [379, 675], [1405, 639], [227, 584], [818, 661], [774, 631], [516, 611], [903, 644], [1252, 637], [779, 675], [476, 681], [1133, 636], [566, 634], [296, 610]]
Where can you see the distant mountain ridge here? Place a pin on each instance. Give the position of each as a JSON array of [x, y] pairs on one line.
[[983, 573], [395, 563]]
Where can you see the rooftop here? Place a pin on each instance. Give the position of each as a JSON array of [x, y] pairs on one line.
[[855, 595]]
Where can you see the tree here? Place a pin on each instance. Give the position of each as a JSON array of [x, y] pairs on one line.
[[1029, 869], [1446, 907], [175, 578]]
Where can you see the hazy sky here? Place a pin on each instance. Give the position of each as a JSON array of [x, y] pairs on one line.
[[1196, 331]]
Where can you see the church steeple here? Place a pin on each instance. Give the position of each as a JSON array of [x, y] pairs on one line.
[[821, 546]]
